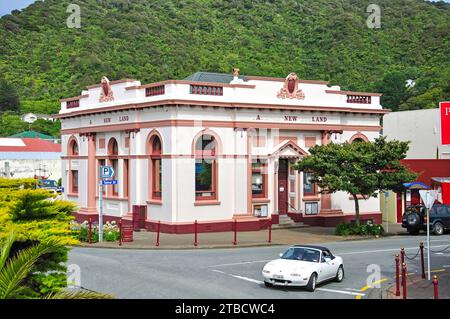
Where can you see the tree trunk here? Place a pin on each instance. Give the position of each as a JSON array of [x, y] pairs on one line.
[[355, 197]]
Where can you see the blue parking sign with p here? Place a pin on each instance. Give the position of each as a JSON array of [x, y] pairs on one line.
[[106, 172]]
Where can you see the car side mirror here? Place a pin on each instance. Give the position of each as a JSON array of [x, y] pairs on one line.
[[327, 259]]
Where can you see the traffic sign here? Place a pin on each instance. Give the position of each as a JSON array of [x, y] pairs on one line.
[[109, 182], [106, 172], [428, 197]]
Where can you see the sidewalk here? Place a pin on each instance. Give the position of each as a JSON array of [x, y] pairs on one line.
[[418, 288], [289, 236]]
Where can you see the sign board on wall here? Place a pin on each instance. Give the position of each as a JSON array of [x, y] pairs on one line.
[[445, 122]]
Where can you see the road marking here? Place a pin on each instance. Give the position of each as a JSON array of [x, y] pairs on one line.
[[373, 284], [259, 282], [240, 263], [359, 294], [220, 272]]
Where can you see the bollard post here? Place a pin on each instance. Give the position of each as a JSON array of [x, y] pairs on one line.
[[270, 230], [404, 280], [422, 261], [157, 234], [195, 232], [235, 232], [397, 275], [436, 291], [90, 231], [120, 232], [402, 257]]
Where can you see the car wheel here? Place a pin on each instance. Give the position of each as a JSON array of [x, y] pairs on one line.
[[413, 231], [312, 283], [268, 284], [438, 228], [413, 219], [340, 274]]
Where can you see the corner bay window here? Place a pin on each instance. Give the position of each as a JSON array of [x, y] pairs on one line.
[[155, 168], [259, 179], [205, 168]]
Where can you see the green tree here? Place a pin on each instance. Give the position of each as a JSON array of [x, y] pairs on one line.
[[11, 123], [9, 98], [360, 168], [47, 127], [15, 269]]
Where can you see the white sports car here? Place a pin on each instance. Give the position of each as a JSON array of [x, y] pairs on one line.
[[303, 265]]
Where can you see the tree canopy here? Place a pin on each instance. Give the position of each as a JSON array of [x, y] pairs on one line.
[[359, 168], [162, 39]]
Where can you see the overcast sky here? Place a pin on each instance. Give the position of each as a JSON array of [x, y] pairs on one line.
[[6, 6]]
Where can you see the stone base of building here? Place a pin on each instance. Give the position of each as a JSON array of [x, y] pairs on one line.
[[243, 224], [333, 219]]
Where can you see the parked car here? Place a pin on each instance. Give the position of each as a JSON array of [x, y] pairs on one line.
[[414, 219], [304, 266], [49, 184]]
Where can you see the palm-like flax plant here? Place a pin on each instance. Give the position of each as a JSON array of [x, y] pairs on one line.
[[15, 269]]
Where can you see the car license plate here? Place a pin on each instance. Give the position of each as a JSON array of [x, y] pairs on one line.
[[278, 276]]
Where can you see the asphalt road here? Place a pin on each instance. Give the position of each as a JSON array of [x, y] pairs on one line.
[[236, 272]]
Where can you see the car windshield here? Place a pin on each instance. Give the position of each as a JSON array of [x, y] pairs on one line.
[[302, 253], [49, 183]]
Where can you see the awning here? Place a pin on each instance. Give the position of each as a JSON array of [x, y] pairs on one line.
[[416, 185]]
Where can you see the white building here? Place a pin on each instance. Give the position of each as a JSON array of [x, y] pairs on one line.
[[29, 158], [31, 117], [211, 148], [420, 127]]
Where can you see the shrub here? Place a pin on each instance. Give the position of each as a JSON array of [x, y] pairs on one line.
[[81, 231], [347, 229]]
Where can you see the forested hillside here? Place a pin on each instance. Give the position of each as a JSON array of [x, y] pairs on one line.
[[43, 60]]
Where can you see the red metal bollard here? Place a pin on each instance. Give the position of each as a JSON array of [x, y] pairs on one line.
[[157, 234], [422, 260], [436, 291], [195, 232], [235, 232], [120, 233], [397, 275], [404, 280], [270, 230], [90, 231], [402, 256]]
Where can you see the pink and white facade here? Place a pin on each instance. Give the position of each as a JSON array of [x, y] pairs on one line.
[[215, 151]]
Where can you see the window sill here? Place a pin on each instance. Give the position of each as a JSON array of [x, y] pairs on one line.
[[206, 202], [72, 194], [260, 200], [311, 199], [155, 202], [113, 198]]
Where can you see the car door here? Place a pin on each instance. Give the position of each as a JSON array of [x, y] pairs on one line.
[[330, 265], [325, 268]]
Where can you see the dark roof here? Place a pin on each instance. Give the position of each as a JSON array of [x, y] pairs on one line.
[[212, 77], [311, 246]]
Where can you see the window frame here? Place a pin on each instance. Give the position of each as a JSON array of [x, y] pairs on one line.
[[205, 155]]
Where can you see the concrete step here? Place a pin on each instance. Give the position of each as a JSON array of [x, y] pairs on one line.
[[286, 222]]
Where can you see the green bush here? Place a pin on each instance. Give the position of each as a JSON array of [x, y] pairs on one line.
[[81, 231], [348, 229]]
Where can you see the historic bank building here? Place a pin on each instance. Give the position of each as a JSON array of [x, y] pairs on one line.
[[212, 148]]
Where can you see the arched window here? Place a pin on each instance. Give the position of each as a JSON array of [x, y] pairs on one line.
[[155, 168], [206, 168], [113, 160], [73, 150], [358, 137]]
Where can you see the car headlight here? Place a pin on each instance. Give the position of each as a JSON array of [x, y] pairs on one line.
[[266, 271], [296, 274]]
